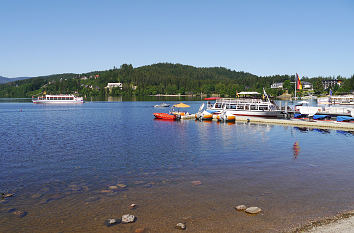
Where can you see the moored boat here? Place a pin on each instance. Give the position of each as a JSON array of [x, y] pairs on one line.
[[336, 99], [58, 99], [248, 104], [163, 105], [165, 116]]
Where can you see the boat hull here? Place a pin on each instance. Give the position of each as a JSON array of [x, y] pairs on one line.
[[164, 116]]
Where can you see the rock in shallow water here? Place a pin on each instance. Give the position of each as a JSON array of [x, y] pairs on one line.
[[128, 218], [139, 230], [196, 182], [180, 226], [111, 221], [20, 213], [253, 210], [241, 207], [122, 185]]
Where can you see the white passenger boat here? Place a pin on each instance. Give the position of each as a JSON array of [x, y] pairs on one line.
[[58, 99], [336, 99], [248, 104]]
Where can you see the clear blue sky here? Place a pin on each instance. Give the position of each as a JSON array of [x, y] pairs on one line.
[[263, 37]]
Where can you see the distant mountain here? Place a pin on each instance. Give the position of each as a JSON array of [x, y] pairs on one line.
[[7, 80]]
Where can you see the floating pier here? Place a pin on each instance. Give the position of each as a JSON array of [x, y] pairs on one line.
[[347, 126], [299, 123]]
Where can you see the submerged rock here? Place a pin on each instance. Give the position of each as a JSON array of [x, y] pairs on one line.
[[113, 187], [132, 206], [122, 185], [241, 207], [106, 191], [36, 195], [92, 199], [6, 195], [253, 210], [180, 226], [111, 221], [128, 218], [20, 213], [196, 182]]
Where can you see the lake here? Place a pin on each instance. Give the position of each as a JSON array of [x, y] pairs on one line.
[[59, 161]]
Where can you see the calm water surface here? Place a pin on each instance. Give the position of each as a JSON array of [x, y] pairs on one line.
[[57, 159]]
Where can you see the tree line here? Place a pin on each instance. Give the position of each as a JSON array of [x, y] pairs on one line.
[[161, 78]]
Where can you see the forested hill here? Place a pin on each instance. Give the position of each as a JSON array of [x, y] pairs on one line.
[[161, 78]]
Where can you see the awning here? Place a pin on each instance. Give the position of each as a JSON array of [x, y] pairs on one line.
[[212, 98]]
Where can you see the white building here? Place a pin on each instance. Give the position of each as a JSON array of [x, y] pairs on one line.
[[306, 85], [277, 85], [112, 85]]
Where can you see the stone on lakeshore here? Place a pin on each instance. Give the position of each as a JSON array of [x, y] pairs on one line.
[[196, 182], [113, 187], [20, 213], [111, 221], [241, 207], [132, 206], [128, 218], [139, 230], [253, 210], [180, 226], [122, 185]]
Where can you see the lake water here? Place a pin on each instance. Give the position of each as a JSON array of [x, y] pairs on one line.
[[60, 160]]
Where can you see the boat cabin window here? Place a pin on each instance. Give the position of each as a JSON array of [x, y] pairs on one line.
[[253, 107], [71, 98], [240, 107], [263, 107], [232, 106], [217, 105]]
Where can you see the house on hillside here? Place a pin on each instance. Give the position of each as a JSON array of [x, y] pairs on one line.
[[307, 85], [277, 85], [113, 85], [331, 83]]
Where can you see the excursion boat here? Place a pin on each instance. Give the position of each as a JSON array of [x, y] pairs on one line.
[[336, 99], [58, 99], [247, 104]]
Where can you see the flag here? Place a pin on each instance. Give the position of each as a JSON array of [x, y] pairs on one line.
[[330, 92], [298, 82]]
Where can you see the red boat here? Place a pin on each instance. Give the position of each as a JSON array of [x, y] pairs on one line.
[[165, 116]]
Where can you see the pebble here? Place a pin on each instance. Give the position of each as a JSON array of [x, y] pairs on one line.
[[113, 187], [111, 221], [128, 218], [196, 182], [180, 226], [122, 185], [241, 207], [132, 206], [253, 210], [20, 213]]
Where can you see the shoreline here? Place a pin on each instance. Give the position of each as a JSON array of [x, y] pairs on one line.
[[341, 222]]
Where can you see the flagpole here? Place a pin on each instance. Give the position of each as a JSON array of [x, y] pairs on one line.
[[295, 85]]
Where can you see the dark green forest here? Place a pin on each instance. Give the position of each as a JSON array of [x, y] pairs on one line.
[[162, 78]]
